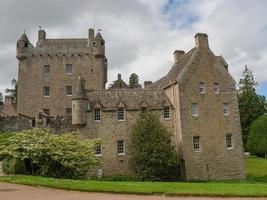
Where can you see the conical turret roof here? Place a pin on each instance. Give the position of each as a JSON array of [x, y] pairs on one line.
[[24, 37], [99, 37]]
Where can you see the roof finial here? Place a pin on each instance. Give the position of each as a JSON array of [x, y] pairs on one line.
[[40, 27], [24, 30], [99, 29]]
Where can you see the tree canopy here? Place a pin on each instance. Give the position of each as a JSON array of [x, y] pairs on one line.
[[251, 105], [257, 137], [152, 155], [14, 91], [134, 81]]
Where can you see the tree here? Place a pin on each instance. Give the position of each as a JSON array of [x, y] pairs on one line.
[[13, 92], [1, 99], [257, 137], [151, 154], [134, 81], [50, 155], [251, 105]]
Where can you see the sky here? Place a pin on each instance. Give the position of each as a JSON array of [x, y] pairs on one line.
[[141, 35]]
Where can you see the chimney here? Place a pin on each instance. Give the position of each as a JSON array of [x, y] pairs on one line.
[[41, 35], [201, 40], [147, 83], [178, 54]]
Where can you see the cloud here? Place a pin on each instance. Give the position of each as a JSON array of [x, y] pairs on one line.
[[141, 35]]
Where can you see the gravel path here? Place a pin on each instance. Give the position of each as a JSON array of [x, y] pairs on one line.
[[22, 192]]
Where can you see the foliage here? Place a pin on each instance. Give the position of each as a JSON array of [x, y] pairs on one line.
[[52, 155], [13, 92], [251, 105], [256, 169], [134, 81], [152, 155], [1, 99], [13, 165], [257, 137]]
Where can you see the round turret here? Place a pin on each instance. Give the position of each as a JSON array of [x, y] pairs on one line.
[[79, 104], [23, 45], [99, 46]]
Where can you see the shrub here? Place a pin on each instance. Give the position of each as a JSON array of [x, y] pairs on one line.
[[257, 137], [13, 165], [152, 155], [51, 155]]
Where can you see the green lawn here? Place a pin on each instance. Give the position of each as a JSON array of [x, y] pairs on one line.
[[256, 185]]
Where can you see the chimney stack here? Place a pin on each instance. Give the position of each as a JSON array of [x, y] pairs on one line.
[[178, 54], [201, 40]]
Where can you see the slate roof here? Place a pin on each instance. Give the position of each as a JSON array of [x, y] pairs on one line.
[[23, 37], [66, 43], [131, 98], [174, 72]]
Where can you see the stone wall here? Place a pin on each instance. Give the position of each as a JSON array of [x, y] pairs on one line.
[[214, 160], [14, 123], [109, 131]]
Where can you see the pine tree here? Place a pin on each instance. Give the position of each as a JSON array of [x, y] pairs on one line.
[[251, 105], [134, 81]]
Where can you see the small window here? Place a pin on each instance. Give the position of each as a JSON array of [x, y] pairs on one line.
[[102, 44], [68, 111], [225, 109], [120, 147], [68, 69], [166, 112], [229, 141], [68, 91], [121, 114], [196, 143], [143, 109], [97, 115], [46, 70], [26, 45], [194, 110], [46, 91], [216, 88], [98, 150], [46, 111], [202, 88]]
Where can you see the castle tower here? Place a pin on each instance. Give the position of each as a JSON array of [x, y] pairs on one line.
[[100, 59], [79, 104], [23, 45]]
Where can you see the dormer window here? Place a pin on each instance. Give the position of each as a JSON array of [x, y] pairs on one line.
[[121, 114], [216, 88], [97, 114], [202, 89]]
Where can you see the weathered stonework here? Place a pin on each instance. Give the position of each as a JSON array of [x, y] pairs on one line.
[[175, 91]]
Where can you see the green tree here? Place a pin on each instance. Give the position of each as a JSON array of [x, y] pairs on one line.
[[251, 105], [257, 137], [134, 81], [1, 99], [151, 154], [51, 155], [13, 92]]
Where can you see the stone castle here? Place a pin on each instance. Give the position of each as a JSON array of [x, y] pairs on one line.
[[196, 100]]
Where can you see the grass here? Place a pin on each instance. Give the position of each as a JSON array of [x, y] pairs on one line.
[[255, 186]]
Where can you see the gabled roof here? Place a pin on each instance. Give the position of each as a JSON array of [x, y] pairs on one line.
[[174, 72], [131, 98]]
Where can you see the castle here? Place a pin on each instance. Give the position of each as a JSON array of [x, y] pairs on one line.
[[196, 100]]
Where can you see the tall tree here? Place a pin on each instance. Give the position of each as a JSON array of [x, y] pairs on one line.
[[134, 81], [13, 92], [251, 105]]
